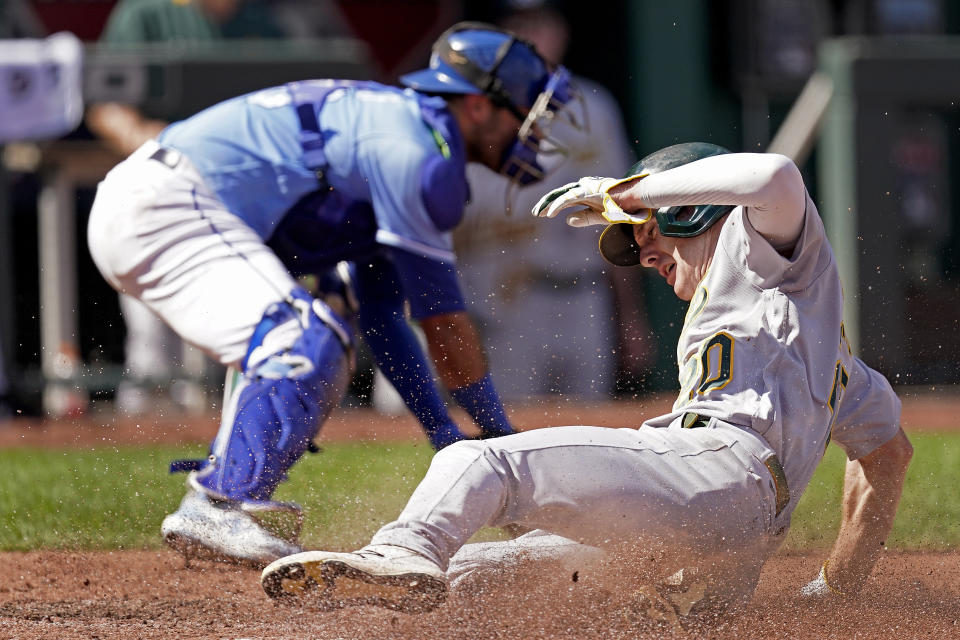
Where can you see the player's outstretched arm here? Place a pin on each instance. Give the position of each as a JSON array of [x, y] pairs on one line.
[[871, 492], [769, 185]]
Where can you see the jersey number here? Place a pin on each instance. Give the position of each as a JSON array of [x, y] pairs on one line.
[[714, 378], [715, 364]]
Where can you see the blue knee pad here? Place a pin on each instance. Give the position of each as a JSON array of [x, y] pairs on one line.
[[295, 373]]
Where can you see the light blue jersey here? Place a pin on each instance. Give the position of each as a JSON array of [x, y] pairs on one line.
[[395, 151]]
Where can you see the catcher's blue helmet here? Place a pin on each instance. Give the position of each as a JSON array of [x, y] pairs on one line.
[[477, 58], [480, 59], [617, 244]]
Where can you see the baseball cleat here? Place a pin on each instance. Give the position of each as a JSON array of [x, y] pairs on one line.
[[210, 529], [381, 575]]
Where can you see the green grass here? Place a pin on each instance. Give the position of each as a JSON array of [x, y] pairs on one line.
[[116, 497], [929, 513]]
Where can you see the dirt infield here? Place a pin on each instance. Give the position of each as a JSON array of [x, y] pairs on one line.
[[151, 594]]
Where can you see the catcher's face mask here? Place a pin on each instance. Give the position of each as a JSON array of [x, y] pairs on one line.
[[534, 143], [477, 58]]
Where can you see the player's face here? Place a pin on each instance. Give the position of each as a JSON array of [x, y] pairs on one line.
[[682, 262]]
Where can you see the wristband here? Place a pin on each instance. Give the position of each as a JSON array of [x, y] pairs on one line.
[[482, 402], [823, 576], [611, 206]]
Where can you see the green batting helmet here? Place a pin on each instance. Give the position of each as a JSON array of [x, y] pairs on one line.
[[617, 245]]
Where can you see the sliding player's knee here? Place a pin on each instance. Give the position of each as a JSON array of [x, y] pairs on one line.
[[459, 454]]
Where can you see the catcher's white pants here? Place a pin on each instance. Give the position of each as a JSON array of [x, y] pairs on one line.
[[152, 349], [701, 491], [160, 235]]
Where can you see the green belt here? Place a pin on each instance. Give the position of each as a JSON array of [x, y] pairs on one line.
[[695, 421]]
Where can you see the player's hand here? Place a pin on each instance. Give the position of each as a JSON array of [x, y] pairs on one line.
[[816, 588], [819, 587], [591, 195], [586, 218]]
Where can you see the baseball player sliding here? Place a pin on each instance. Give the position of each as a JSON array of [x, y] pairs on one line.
[[767, 380], [210, 223]]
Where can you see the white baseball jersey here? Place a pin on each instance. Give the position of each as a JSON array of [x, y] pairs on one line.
[[762, 353], [763, 346]]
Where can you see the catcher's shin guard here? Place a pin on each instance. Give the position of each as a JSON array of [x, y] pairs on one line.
[[296, 372]]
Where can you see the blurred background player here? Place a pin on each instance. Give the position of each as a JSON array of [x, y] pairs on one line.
[[122, 126], [210, 223], [153, 353], [542, 296]]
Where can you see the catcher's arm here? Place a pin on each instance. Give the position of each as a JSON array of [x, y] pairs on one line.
[[871, 492], [462, 366], [455, 348]]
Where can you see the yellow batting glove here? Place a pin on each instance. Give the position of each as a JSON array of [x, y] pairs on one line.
[[591, 195]]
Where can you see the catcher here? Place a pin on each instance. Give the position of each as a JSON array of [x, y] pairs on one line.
[[210, 224], [767, 380]]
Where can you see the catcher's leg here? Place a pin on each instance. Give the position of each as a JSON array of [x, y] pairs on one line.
[[159, 234], [296, 372]]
